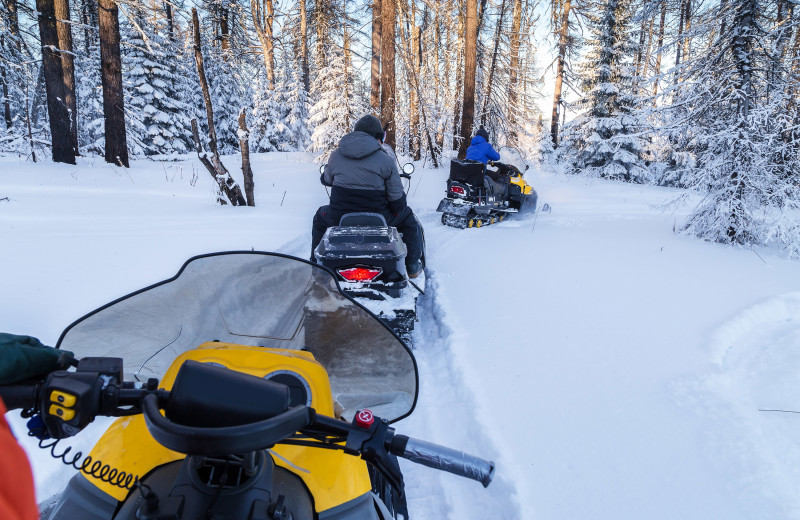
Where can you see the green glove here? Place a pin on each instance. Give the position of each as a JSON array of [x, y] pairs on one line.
[[23, 357]]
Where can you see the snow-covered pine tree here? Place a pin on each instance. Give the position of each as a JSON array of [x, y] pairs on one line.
[[296, 102], [157, 116], [91, 131], [744, 146], [227, 95], [14, 74], [605, 140], [335, 111], [268, 131]]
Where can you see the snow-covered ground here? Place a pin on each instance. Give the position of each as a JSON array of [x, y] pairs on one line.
[[611, 367]]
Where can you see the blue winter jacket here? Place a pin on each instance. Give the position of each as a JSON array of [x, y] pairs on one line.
[[480, 150]]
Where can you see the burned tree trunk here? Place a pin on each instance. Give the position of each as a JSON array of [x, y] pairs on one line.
[[247, 172], [388, 22], [116, 151], [375, 66], [214, 166], [470, 67], [68, 65], [54, 84], [563, 36], [304, 45], [513, 72]]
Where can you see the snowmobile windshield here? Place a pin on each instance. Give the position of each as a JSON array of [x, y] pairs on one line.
[[255, 299], [514, 157]]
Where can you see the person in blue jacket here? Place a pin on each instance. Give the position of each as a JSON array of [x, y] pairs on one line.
[[481, 150]]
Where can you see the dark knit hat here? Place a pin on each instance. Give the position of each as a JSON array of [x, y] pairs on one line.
[[371, 125], [483, 133]]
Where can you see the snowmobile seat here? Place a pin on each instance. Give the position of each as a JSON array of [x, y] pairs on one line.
[[470, 172], [362, 219]]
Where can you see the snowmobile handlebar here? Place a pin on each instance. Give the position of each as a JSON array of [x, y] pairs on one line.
[[443, 458], [201, 418]]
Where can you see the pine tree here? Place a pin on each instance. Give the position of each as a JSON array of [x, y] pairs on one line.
[[268, 131], [743, 152], [157, 116], [296, 100], [335, 111], [605, 140], [227, 96]]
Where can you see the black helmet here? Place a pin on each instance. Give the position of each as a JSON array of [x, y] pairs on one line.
[[370, 125], [483, 133]]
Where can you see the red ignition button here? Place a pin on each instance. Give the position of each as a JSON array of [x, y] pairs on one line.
[[364, 419]]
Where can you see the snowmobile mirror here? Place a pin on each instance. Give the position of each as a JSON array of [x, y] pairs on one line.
[[526, 167], [322, 168], [408, 168]]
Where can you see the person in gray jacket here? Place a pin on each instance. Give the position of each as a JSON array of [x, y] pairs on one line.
[[364, 177]]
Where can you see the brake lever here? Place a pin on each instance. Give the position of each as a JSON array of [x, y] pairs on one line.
[[371, 437], [374, 451]]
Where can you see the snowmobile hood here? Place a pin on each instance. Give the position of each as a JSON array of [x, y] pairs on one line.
[[357, 145]]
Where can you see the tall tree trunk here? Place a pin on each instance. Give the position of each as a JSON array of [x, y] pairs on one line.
[[513, 73], [68, 66], [679, 47], [247, 171], [413, 94], [304, 45], [170, 20], [214, 166], [563, 36], [388, 100], [265, 36], [201, 72], [659, 47], [470, 67], [438, 73], [224, 27], [111, 75], [649, 48], [687, 25], [493, 65], [375, 65], [14, 42], [54, 83], [458, 94], [90, 23], [6, 99], [640, 48]]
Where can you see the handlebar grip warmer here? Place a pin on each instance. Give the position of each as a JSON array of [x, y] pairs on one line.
[[442, 458], [18, 396]]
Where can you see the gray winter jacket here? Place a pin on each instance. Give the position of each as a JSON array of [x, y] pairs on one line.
[[363, 176]]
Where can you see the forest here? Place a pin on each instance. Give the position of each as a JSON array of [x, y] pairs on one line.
[[700, 95]]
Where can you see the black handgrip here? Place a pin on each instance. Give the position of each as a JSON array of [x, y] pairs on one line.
[[224, 440], [442, 458], [18, 396]]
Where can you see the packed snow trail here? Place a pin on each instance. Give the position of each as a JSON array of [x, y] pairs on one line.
[[445, 415], [572, 333], [612, 368]]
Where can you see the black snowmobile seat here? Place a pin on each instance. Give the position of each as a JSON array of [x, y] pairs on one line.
[[362, 219], [467, 171]]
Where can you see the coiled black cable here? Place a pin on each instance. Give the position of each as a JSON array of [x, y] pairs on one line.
[[88, 466]]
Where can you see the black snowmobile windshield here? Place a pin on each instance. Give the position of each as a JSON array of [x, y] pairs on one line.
[[256, 299]]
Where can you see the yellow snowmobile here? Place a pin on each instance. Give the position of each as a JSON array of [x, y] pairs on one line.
[[474, 198], [248, 386]]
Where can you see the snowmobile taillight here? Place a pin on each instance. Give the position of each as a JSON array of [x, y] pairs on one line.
[[364, 419], [458, 190], [360, 273]]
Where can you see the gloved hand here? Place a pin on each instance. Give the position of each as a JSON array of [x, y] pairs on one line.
[[24, 357]]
